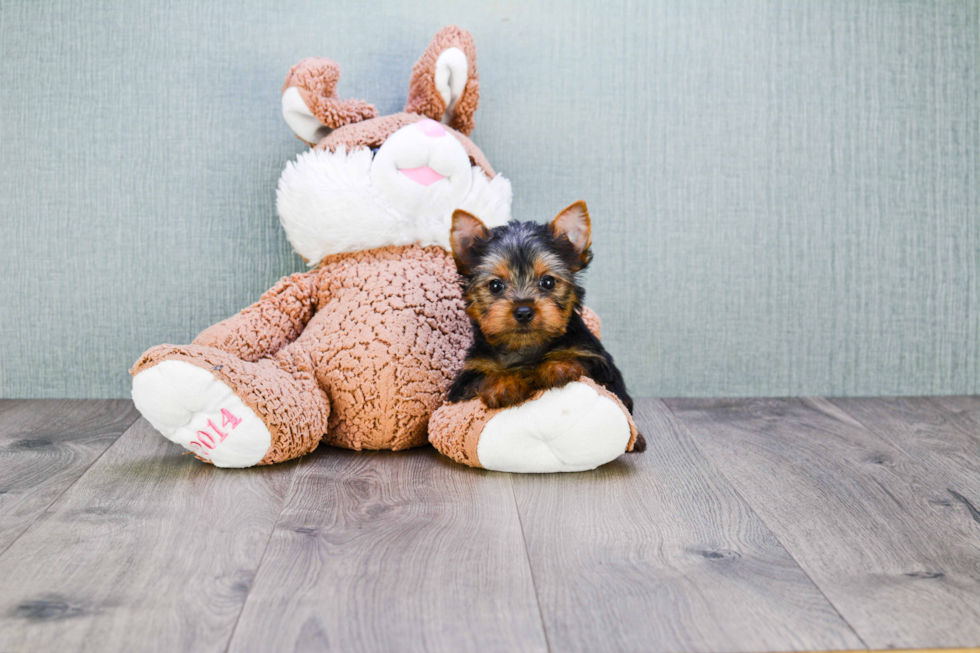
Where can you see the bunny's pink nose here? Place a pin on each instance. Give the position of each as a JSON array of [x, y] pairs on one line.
[[431, 128]]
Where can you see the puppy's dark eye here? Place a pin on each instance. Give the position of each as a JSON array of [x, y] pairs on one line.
[[547, 283], [496, 286]]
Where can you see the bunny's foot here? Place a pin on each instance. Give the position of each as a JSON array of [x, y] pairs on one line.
[[230, 412], [187, 405], [570, 429]]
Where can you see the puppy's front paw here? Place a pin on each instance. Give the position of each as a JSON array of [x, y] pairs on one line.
[[505, 390], [558, 373]]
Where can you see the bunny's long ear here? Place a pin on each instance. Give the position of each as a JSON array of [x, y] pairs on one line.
[[310, 104], [444, 85]]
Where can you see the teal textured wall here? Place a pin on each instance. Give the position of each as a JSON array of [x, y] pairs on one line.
[[785, 194]]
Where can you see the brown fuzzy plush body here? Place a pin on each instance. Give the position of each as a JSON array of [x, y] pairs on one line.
[[358, 352]]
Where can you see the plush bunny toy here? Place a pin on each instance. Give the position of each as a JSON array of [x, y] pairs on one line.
[[359, 351]]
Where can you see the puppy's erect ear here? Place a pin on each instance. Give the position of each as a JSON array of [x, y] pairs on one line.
[[444, 85], [466, 230], [574, 223]]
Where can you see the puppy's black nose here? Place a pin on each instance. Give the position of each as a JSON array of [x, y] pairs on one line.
[[523, 314]]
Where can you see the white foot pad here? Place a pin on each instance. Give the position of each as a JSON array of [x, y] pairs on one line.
[[569, 429], [200, 413]]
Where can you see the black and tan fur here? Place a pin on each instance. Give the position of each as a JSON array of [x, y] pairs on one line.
[[522, 293]]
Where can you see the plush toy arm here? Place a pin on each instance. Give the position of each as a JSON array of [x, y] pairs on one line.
[[592, 321], [269, 324]]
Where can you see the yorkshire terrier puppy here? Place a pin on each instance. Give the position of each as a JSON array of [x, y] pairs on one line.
[[521, 287]]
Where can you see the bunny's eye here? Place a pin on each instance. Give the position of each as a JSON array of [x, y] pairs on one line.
[[496, 286], [547, 283]]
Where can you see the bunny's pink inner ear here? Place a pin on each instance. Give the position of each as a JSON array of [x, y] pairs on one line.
[[444, 85]]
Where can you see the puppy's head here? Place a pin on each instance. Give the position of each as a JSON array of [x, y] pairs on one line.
[[521, 279]]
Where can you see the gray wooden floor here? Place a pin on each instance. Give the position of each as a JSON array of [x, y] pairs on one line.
[[748, 525]]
